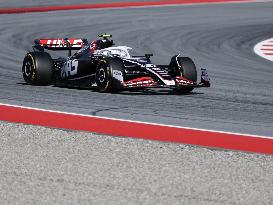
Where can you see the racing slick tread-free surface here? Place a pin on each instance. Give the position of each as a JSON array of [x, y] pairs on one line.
[[109, 83], [41, 68], [188, 68]]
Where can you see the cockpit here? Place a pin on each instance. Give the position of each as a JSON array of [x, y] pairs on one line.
[[121, 51], [105, 47]]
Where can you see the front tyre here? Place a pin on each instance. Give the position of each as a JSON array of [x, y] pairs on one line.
[[37, 68], [110, 75], [185, 67]]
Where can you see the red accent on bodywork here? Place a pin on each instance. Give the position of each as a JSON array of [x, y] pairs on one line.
[[93, 46], [183, 81], [61, 43], [141, 82]]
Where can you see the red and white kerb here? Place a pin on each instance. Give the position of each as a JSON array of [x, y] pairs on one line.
[[265, 49]]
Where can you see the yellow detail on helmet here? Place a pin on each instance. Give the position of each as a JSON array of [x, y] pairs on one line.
[[105, 35]]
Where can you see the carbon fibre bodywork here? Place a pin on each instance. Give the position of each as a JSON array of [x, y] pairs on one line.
[[82, 69]]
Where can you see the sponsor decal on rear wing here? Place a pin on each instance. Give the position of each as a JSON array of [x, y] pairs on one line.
[[61, 43]]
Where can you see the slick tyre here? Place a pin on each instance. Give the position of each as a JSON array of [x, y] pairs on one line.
[[185, 67], [110, 75], [37, 68]]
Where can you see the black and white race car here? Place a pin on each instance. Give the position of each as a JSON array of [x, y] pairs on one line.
[[107, 67]]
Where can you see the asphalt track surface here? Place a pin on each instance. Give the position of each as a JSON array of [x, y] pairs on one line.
[[49, 166], [217, 37]]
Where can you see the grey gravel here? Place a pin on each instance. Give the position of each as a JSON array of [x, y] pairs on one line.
[[49, 166]]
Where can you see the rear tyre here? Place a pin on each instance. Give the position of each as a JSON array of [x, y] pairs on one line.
[[37, 68], [110, 75], [185, 67]]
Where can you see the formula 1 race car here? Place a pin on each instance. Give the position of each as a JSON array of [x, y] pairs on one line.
[[107, 67]]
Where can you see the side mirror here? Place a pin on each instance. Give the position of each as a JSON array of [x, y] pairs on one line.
[[148, 55]]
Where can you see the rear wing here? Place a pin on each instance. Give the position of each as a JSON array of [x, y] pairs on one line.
[[60, 43]]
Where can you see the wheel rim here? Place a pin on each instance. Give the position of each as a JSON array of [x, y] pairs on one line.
[[101, 76], [27, 69]]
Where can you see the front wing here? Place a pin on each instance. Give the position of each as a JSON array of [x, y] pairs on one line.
[[179, 82]]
